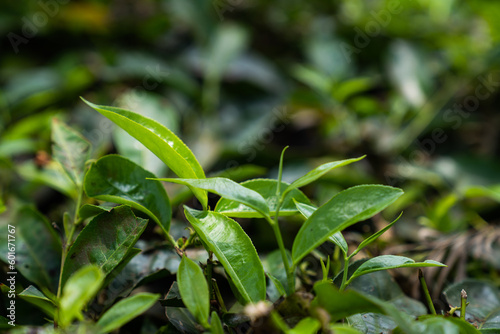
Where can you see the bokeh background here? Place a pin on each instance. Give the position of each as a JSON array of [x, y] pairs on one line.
[[414, 85]]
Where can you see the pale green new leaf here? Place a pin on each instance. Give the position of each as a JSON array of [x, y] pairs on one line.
[[234, 249], [80, 288], [227, 189], [159, 140], [126, 310], [343, 210], [193, 288], [216, 324], [318, 172], [306, 326]]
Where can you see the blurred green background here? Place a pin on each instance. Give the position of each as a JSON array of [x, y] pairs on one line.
[[412, 84]]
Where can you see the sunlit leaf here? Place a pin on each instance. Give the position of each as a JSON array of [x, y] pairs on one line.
[[343, 210], [221, 235]]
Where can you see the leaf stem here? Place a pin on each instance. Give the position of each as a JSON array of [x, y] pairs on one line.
[[345, 281], [426, 292]]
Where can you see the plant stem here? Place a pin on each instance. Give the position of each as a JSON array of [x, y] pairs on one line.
[[345, 282], [426, 292], [463, 305]]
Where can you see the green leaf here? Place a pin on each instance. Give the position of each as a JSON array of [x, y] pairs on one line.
[[80, 288], [374, 236], [193, 288], [306, 326], [216, 324], [70, 149], [105, 241], [275, 269], [90, 210], [34, 296], [341, 304], [318, 172], [234, 249], [343, 210], [343, 329], [440, 324], [385, 262], [267, 189], [38, 247], [337, 238], [125, 310], [116, 179], [159, 140], [229, 190]]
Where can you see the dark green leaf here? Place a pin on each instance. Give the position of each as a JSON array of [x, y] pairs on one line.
[[34, 296], [160, 140], [70, 149], [484, 302], [234, 249], [37, 247], [341, 304], [267, 189], [193, 288], [229, 190], [125, 310], [116, 179], [343, 210], [105, 241]]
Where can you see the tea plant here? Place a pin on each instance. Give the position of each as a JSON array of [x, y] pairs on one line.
[[92, 258]]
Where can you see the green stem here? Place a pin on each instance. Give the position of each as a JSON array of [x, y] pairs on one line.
[[345, 282], [426, 292], [463, 305]]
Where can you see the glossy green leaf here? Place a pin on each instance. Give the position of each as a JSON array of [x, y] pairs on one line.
[[234, 249], [105, 241], [343, 210], [306, 326], [193, 288], [34, 296], [125, 310], [229, 190], [318, 172], [341, 304], [374, 236], [267, 189], [160, 140], [116, 179], [70, 149], [385, 262], [216, 324], [337, 238], [275, 270], [80, 288], [37, 246]]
